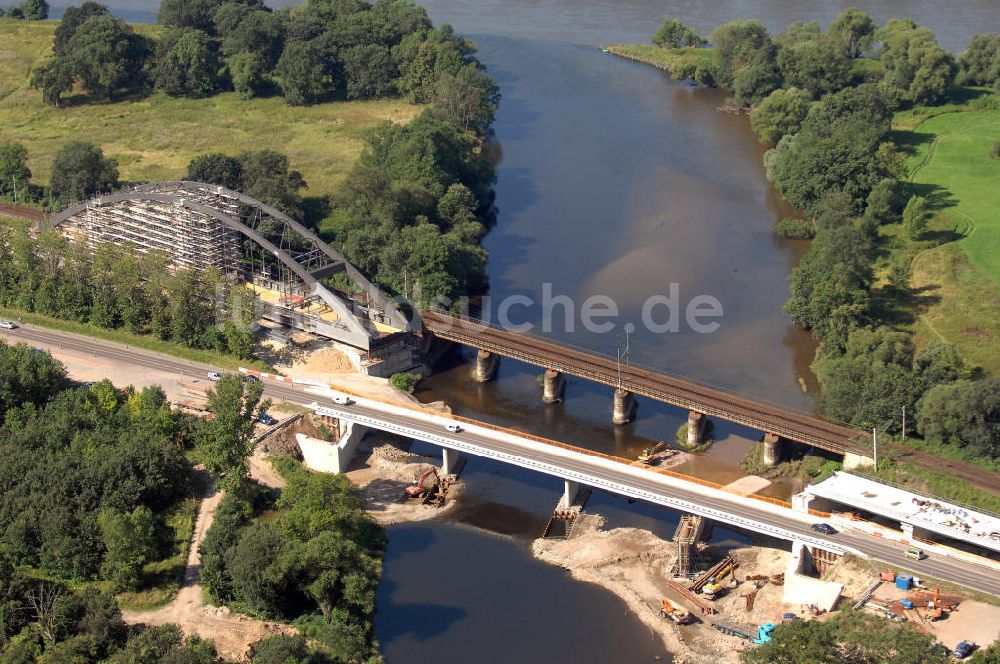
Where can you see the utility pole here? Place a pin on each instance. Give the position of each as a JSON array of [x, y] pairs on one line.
[[14, 179], [904, 425]]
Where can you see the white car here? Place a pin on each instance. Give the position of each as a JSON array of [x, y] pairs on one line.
[[342, 400], [453, 428], [214, 375], [8, 325]]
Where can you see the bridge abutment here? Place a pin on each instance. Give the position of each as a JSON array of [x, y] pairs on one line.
[[772, 450], [696, 427], [624, 408], [486, 366], [553, 386], [853, 461]]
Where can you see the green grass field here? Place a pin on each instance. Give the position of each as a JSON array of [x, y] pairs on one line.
[[154, 138], [956, 284]]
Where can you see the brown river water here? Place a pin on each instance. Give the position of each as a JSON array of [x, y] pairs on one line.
[[615, 181]]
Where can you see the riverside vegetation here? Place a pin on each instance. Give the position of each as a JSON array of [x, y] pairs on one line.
[[881, 138], [408, 204]]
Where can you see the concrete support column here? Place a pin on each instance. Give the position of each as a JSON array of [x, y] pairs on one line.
[[907, 529], [800, 502], [853, 461], [486, 366], [624, 407], [553, 386], [448, 459], [696, 426], [772, 450], [570, 489]]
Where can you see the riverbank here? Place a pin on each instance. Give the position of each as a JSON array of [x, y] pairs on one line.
[[635, 565]]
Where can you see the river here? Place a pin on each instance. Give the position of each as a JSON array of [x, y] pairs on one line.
[[617, 181]]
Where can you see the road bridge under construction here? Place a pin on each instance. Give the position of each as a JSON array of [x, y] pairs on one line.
[[699, 400]]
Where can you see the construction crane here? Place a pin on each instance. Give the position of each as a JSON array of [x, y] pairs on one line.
[[679, 616]]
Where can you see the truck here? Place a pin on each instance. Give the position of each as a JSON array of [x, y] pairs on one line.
[[678, 615]]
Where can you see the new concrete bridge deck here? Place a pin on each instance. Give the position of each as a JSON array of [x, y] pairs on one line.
[[680, 392]]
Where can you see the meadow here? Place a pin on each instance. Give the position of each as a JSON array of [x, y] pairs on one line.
[[155, 137]]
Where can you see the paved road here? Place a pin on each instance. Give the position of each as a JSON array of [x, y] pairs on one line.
[[939, 567]]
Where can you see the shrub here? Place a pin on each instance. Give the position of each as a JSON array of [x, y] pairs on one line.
[[794, 229], [406, 382], [994, 152]]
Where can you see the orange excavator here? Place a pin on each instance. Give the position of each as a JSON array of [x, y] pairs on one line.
[[419, 488], [934, 609]]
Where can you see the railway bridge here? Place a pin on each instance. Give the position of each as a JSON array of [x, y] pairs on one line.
[[699, 400]]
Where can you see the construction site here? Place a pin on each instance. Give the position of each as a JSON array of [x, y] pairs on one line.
[[306, 293], [711, 602]]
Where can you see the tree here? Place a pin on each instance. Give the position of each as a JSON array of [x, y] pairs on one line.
[[187, 64], [305, 72], [248, 72], [915, 217], [781, 113], [469, 98], [80, 170], [227, 440], [817, 65], [368, 71], [855, 30], [964, 413], [674, 34], [979, 64], [35, 10], [741, 44], [989, 655], [196, 14], [260, 33], [406, 382], [883, 204], [281, 649], [71, 21], [54, 79], [128, 540], [15, 176], [218, 169], [939, 362], [28, 377], [914, 62], [107, 56]]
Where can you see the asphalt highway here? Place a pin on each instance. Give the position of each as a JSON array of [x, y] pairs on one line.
[[936, 566]]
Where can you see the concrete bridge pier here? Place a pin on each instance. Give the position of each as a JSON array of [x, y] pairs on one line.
[[570, 491], [772, 450], [553, 387], [486, 366], [696, 427], [448, 460], [624, 407]]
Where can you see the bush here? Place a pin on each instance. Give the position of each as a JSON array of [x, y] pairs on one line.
[[406, 382], [791, 228], [994, 152]]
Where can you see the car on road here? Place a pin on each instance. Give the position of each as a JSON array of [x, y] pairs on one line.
[[251, 379], [916, 554], [453, 428], [342, 400], [264, 418], [8, 324], [214, 375], [824, 528]]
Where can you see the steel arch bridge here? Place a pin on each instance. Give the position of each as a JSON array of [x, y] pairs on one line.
[[201, 226]]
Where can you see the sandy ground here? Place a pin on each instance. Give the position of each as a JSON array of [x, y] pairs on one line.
[[233, 634], [748, 485], [383, 469]]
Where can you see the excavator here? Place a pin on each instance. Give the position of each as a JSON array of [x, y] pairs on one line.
[[658, 452], [679, 616], [715, 587], [935, 611], [418, 489]]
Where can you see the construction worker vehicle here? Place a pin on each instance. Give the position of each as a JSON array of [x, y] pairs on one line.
[[420, 487], [764, 633], [652, 455], [678, 615]]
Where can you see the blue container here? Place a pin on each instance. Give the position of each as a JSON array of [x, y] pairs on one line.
[[907, 604], [904, 581]]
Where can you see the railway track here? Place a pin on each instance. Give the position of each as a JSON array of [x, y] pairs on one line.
[[677, 391]]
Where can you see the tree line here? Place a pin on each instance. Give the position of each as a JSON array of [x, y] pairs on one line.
[[27, 10], [825, 100], [309, 54]]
